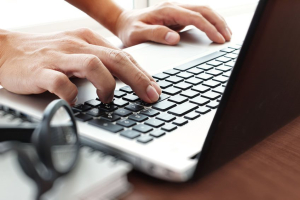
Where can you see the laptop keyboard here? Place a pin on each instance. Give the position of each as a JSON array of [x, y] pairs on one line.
[[188, 91]]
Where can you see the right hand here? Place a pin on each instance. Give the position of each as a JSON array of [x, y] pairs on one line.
[[35, 63]]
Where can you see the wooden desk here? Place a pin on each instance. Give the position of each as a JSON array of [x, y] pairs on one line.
[[269, 170]]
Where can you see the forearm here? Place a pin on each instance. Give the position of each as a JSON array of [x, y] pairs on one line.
[[105, 12]]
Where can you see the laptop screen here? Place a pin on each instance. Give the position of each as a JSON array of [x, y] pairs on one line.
[[263, 93]]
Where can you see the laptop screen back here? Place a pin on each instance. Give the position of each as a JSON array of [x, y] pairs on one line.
[[263, 93]]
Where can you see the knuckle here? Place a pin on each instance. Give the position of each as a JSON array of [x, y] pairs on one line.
[[91, 63], [69, 41], [140, 77], [85, 32], [207, 8], [58, 81], [118, 56]]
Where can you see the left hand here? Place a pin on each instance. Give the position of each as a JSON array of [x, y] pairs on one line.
[[162, 23]]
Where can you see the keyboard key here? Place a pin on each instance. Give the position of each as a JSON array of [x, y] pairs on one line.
[[166, 117], [161, 76], [169, 127], [171, 91], [104, 124], [214, 72], [201, 88], [109, 107], [231, 55], [163, 97], [171, 72], [183, 85], [230, 64], [227, 74], [200, 61], [180, 121], [204, 77], [235, 47], [236, 52], [223, 68], [205, 67], [126, 89], [157, 133], [199, 101], [123, 112], [221, 79], [82, 108], [138, 117], [211, 83], [120, 102], [110, 117], [149, 112], [83, 117], [190, 93], [154, 123], [134, 107], [119, 94], [227, 50], [164, 84], [185, 75], [163, 106], [213, 104], [74, 111], [95, 112], [214, 63], [145, 139], [194, 81], [223, 59], [219, 90], [203, 110], [142, 128], [192, 116], [126, 122], [130, 134], [93, 102], [131, 98], [183, 109], [178, 99], [195, 71], [174, 79], [211, 95]]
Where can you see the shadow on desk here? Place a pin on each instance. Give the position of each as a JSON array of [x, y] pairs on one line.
[[270, 170]]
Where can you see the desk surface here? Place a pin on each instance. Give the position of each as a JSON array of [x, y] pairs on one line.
[[269, 170]]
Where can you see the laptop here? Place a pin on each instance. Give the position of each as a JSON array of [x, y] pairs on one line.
[[212, 109]]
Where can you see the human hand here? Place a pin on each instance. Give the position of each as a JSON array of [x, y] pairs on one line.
[[35, 63], [162, 22]]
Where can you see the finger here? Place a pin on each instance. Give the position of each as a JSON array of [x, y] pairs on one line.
[[186, 17], [155, 85], [90, 67], [121, 66], [213, 18], [157, 33], [57, 83]]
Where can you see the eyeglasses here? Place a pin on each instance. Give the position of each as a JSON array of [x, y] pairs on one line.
[[53, 150]]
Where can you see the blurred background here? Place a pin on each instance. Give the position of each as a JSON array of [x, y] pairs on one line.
[[58, 15]]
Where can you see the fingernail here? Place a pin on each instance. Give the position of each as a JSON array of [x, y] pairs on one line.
[[228, 34], [74, 100], [221, 38], [156, 86], [171, 38], [152, 94]]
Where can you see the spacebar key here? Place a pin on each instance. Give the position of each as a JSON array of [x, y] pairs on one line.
[[104, 124], [183, 109]]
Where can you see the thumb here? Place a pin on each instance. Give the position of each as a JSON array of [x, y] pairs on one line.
[[161, 34]]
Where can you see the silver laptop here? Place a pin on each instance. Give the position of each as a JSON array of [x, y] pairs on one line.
[[214, 106]]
